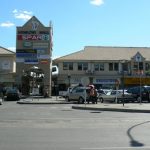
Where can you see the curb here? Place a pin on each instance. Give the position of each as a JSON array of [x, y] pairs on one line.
[[31, 102], [112, 109]]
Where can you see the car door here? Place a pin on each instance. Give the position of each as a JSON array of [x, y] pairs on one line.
[[72, 94], [110, 96], [144, 93], [75, 94]]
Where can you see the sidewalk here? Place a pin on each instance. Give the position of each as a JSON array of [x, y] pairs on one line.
[[41, 100], [128, 107]]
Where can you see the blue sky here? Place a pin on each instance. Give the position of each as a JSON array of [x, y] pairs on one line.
[[79, 23]]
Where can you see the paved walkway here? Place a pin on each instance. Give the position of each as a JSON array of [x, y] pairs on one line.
[[128, 107], [41, 100]]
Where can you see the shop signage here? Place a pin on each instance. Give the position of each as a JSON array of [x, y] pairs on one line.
[[44, 61], [105, 81], [40, 45], [39, 56], [31, 61], [32, 32], [137, 80], [19, 60], [27, 51], [27, 44], [26, 32], [32, 55], [44, 37], [35, 24]]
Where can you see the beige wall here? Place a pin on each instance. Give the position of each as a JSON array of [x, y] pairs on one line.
[[76, 76], [7, 69]]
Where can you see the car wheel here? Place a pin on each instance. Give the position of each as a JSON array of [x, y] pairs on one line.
[[81, 100], [149, 98], [101, 99], [118, 101], [67, 99], [139, 99]]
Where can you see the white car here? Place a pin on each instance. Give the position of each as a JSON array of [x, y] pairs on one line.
[[116, 96]]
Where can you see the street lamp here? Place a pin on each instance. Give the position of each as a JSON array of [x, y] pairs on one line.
[[123, 66], [69, 76]]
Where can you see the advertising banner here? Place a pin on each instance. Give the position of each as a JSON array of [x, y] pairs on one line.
[[35, 37]]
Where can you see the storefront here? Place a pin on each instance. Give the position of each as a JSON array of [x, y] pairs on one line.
[[134, 81]]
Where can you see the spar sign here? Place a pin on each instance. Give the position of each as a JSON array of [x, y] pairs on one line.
[[43, 37]]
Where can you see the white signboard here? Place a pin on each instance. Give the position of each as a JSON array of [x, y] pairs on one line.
[[85, 81], [35, 91], [6, 65]]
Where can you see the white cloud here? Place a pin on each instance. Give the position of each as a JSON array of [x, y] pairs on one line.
[[24, 15], [12, 48], [7, 24], [97, 2]]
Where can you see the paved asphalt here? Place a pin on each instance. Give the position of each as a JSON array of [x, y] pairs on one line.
[[128, 107]]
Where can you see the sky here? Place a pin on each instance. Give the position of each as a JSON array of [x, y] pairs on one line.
[[80, 23]]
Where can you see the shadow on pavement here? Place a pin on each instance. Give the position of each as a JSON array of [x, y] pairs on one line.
[[133, 142]]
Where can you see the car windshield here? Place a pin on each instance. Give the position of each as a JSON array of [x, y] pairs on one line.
[[148, 88], [10, 90]]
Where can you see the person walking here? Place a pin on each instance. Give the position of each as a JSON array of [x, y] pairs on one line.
[[93, 95]]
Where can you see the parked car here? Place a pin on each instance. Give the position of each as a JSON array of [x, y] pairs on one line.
[[116, 96], [64, 93], [109, 97], [12, 94], [0, 101], [79, 94], [140, 93], [103, 91]]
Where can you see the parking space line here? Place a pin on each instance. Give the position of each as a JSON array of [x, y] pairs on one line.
[[111, 148]]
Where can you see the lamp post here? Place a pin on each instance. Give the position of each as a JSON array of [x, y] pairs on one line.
[[69, 76], [123, 62], [123, 85]]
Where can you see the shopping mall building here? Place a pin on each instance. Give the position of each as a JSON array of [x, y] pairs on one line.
[[105, 67], [33, 57]]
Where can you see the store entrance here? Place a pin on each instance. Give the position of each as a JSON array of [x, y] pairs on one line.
[[32, 81]]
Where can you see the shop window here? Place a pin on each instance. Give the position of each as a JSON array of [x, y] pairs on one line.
[[99, 67], [135, 66], [147, 66], [125, 67], [140, 65], [67, 66], [96, 67], [116, 66], [113, 67], [82, 66], [110, 66]]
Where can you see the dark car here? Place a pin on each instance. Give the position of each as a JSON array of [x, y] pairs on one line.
[[12, 94], [140, 93]]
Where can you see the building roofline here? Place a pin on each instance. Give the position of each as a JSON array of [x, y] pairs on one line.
[[7, 50], [116, 46]]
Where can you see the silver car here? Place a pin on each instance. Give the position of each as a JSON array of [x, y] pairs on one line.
[[116, 96], [77, 94]]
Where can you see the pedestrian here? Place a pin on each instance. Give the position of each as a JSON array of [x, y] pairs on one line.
[[93, 95], [46, 93]]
